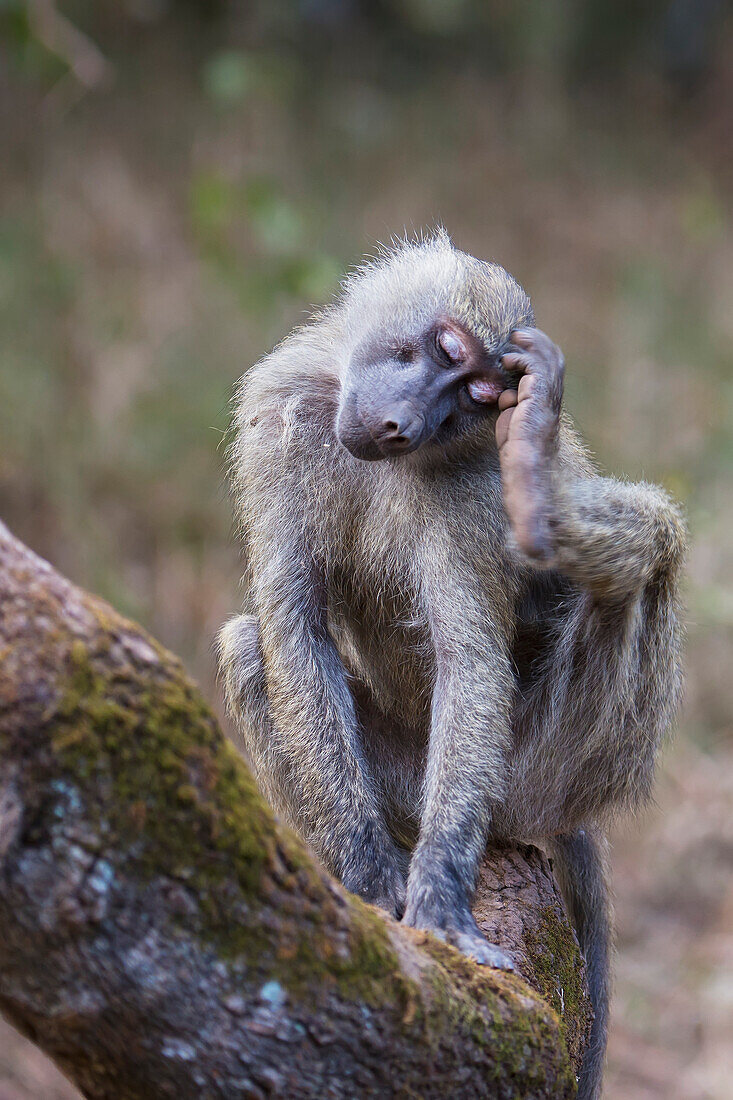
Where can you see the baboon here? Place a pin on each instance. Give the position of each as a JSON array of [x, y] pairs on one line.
[[455, 630]]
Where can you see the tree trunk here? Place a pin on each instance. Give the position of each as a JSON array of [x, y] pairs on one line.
[[162, 935]]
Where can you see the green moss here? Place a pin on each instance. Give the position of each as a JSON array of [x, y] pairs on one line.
[[361, 964], [158, 773], [500, 1015], [558, 971], [159, 777]]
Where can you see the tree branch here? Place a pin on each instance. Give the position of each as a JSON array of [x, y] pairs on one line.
[[163, 935]]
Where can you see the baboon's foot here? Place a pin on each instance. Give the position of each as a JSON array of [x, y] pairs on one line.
[[384, 885], [454, 925], [526, 434], [478, 948]]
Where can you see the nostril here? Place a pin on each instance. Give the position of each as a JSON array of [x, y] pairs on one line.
[[399, 426]]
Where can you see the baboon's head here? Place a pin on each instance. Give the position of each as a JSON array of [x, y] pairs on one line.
[[429, 325]]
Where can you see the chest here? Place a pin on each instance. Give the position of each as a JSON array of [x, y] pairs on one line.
[[384, 520], [406, 545]]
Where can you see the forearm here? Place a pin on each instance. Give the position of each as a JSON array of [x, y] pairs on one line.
[[610, 537], [466, 777], [466, 768], [473, 694], [613, 537]]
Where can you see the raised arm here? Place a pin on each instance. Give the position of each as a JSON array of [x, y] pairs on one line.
[[611, 537]]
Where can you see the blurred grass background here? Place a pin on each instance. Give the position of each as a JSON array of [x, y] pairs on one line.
[[181, 181]]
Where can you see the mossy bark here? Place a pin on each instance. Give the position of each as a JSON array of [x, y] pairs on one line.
[[163, 935]]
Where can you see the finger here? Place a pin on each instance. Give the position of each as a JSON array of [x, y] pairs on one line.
[[515, 360], [503, 421], [528, 386], [523, 337], [545, 386], [538, 343], [507, 399], [531, 339]]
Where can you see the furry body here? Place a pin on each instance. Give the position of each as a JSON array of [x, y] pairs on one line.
[[409, 676]]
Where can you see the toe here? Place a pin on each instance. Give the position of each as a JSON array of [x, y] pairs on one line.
[[481, 951]]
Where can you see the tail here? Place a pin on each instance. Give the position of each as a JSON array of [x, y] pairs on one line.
[[581, 864]]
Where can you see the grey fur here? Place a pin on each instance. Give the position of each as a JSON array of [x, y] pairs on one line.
[[407, 679]]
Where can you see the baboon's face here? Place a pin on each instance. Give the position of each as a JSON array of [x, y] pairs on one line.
[[398, 395]]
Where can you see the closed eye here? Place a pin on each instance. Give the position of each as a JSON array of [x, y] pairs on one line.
[[449, 346]]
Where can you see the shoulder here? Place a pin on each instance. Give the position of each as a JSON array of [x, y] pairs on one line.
[[305, 367], [286, 405]]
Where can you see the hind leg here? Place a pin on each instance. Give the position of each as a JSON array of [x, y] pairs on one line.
[[243, 675], [245, 691], [273, 761]]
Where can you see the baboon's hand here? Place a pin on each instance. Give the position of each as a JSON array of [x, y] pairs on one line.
[[526, 434], [427, 909]]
